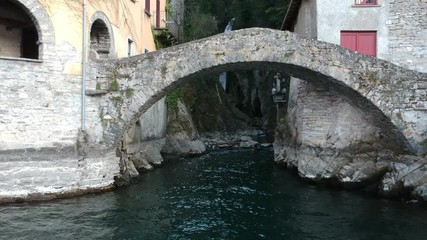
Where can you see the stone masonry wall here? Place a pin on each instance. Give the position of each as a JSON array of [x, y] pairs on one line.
[[326, 137], [407, 27]]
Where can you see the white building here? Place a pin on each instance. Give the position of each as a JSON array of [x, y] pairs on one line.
[[394, 30]]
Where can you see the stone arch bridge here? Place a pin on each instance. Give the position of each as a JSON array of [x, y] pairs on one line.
[[392, 97]]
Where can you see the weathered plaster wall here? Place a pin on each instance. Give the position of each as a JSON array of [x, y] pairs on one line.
[[407, 27]]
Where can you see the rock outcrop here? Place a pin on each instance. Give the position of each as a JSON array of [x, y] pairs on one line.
[[146, 155], [407, 176], [181, 133]]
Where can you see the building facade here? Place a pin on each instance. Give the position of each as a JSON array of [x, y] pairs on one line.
[[46, 50], [395, 31]]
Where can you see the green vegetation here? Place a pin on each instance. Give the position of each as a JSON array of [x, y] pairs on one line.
[[204, 97], [205, 17], [117, 101], [172, 99], [289, 54], [163, 38], [169, 7], [187, 94], [114, 85], [129, 92], [115, 75], [373, 78]]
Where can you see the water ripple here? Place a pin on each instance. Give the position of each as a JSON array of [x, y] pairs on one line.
[[235, 195]]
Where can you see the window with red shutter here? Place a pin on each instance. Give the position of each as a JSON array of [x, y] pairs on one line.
[[147, 6], [360, 41], [365, 2]]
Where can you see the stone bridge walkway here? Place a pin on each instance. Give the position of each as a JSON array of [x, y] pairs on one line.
[[392, 97]]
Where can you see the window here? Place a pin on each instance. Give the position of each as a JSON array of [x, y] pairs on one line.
[[158, 14], [18, 34], [365, 2], [360, 41], [147, 7], [130, 47], [100, 40]]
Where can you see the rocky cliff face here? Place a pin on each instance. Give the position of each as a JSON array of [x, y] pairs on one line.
[[222, 118], [181, 134], [250, 92]]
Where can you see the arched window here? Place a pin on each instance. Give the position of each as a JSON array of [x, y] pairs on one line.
[[18, 33], [100, 40]]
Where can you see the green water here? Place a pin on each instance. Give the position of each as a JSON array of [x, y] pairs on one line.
[[233, 195]]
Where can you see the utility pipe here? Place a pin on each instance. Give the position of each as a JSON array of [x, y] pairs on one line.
[[83, 107]]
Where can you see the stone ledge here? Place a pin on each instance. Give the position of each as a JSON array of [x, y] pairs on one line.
[[21, 59], [91, 92], [31, 197], [37, 154], [366, 6]]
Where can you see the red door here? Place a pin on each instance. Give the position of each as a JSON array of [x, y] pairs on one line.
[[361, 41]]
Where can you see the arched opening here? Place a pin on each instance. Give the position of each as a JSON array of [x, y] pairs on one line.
[[100, 40], [18, 33]]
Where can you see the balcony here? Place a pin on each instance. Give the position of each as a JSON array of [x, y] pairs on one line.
[[162, 20]]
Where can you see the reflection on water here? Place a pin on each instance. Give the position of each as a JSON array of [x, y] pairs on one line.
[[233, 195]]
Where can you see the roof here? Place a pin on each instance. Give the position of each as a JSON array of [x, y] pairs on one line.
[[291, 15]]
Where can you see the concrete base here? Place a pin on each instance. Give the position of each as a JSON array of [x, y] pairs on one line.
[[46, 174]]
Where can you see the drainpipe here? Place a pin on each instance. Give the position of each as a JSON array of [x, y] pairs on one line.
[[83, 108]]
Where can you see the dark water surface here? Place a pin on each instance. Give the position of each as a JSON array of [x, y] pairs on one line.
[[233, 195]]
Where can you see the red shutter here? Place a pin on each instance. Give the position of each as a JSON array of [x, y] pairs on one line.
[[147, 6], [367, 43], [158, 14], [361, 41], [365, 2], [348, 40]]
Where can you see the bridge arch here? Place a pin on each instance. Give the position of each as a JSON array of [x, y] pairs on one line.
[[370, 84]]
